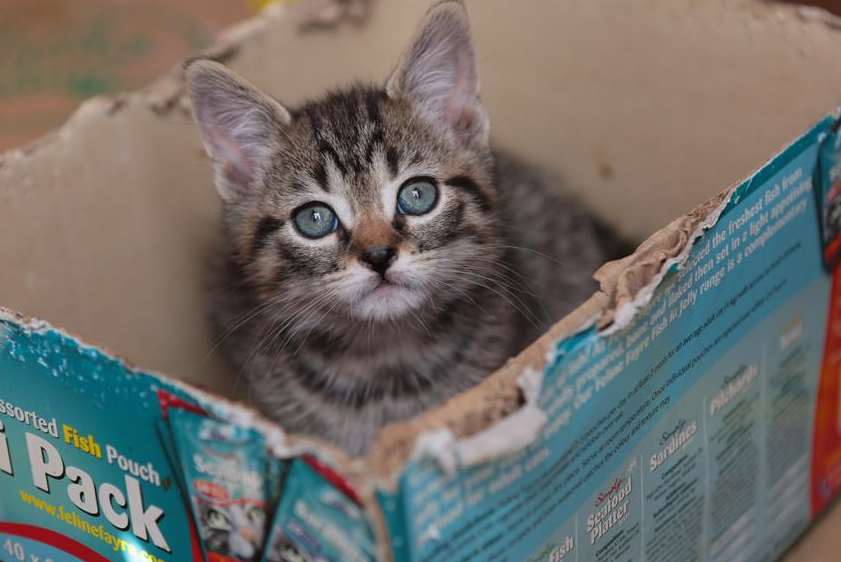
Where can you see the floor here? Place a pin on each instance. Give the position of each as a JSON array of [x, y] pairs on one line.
[[57, 53]]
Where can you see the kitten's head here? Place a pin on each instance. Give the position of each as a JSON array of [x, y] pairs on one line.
[[371, 203]]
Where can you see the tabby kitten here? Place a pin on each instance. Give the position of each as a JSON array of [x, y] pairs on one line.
[[380, 257]]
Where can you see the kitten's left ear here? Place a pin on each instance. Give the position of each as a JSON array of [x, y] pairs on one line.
[[240, 126], [438, 73]]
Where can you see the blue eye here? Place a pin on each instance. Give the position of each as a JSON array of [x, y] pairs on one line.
[[417, 196], [315, 220]]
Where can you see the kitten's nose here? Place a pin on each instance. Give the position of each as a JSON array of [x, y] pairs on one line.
[[378, 258]]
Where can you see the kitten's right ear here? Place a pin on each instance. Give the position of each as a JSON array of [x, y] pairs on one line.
[[239, 125], [438, 73]]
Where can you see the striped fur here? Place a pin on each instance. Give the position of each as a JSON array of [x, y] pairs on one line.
[[326, 347]]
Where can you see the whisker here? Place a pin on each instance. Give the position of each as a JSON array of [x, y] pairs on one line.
[[524, 249], [240, 321], [503, 292]]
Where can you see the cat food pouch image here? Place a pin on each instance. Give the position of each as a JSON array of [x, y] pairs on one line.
[[316, 522], [226, 475], [828, 194]]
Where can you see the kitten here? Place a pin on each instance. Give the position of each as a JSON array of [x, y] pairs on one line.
[[380, 257]]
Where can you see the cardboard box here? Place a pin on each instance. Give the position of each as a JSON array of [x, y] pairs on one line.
[[689, 407]]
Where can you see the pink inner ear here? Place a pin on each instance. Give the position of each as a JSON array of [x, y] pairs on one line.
[[235, 175], [237, 167], [440, 74], [458, 111]]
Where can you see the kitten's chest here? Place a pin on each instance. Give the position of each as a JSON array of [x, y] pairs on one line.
[[399, 372]]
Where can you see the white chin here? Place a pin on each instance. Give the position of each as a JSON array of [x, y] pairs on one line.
[[387, 302]]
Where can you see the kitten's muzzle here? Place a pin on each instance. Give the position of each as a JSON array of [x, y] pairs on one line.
[[378, 258]]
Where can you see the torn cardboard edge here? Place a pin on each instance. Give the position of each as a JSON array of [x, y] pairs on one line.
[[819, 15], [506, 437], [632, 281], [168, 92]]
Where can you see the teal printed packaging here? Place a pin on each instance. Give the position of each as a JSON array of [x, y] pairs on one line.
[[828, 195], [225, 473], [317, 522]]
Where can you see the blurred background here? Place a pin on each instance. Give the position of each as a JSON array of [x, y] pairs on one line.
[[56, 53]]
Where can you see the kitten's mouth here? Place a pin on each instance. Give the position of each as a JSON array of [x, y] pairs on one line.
[[386, 290], [386, 285], [387, 299]]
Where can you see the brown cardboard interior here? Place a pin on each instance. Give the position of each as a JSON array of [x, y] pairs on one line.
[[644, 108]]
